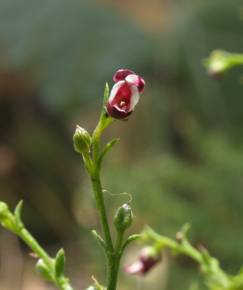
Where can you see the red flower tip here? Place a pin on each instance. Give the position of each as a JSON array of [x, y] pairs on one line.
[[137, 81], [146, 261], [121, 74], [125, 93]]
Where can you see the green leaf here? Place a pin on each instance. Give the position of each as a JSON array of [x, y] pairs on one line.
[[60, 264], [18, 213], [98, 238], [130, 239], [107, 148]]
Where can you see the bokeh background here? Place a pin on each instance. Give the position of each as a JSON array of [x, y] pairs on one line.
[[180, 154]]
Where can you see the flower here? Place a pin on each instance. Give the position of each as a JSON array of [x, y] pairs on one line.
[[148, 258], [125, 93]]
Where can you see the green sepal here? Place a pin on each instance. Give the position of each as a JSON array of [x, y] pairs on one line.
[[60, 264]]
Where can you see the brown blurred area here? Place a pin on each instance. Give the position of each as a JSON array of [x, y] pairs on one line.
[[151, 16]]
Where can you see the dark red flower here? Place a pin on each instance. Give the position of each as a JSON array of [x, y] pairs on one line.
[[125, 93], [148, 258]]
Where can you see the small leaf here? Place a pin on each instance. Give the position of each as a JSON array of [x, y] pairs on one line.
[[17, 214], [98, 238], [59, 263], [130, 239], [43, 270], [107, 148]]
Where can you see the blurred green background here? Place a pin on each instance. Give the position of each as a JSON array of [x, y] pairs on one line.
[[180, 154]]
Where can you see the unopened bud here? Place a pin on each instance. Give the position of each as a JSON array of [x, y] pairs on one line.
[[3, 210], [123, 217], [7, 219], [218, 63], [81, 140]]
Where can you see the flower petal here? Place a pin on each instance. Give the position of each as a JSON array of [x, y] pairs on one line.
[[135, 96], [121, 74], [135, 268], [116, 112], [115, 89], [137, 81]]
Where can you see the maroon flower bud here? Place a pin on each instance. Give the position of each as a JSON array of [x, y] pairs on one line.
[[121, 74], [148, 258], [125, 94]]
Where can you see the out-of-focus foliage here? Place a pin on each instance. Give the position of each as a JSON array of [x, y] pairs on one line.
[[70, 47]]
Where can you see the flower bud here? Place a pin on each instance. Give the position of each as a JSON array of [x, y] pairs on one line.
[[3, 210], [218, 63], [123, 217], [125, 94], [148, 258], [81, 140]]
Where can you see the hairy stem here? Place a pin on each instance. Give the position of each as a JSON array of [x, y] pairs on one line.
[[99, 199]]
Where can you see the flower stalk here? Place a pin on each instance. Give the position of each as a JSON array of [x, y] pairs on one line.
[[117, 104]]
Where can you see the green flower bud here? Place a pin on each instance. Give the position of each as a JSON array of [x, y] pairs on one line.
[[81, 140], [123, 217], [3, 210], [7, 219], [218, 63]]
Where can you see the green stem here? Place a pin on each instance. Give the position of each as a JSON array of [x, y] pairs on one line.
[[99, 199], [25, 235], [112, 281], [236, 59], [113, 258], [35, 247], [112, 254]]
